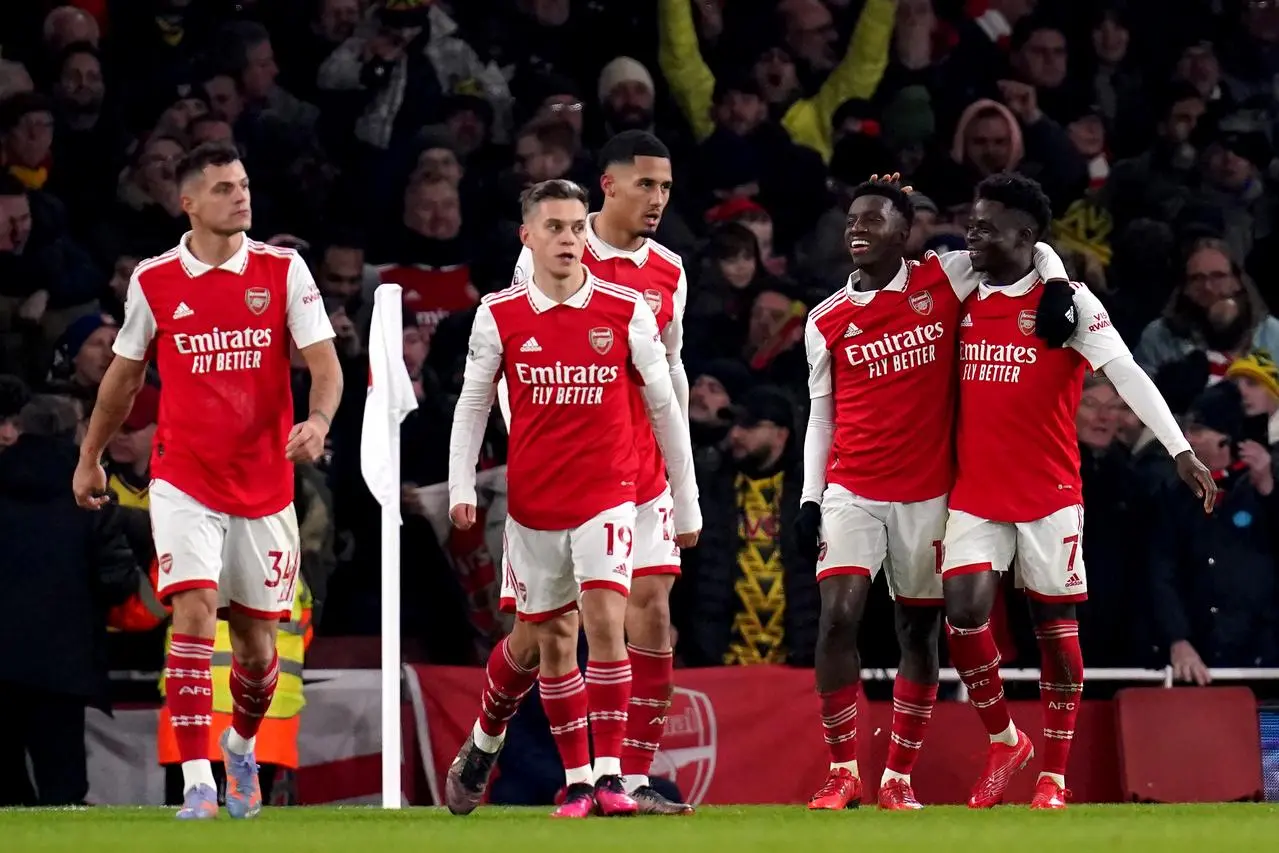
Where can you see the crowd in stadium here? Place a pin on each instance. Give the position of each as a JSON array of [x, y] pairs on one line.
[[390, 142]]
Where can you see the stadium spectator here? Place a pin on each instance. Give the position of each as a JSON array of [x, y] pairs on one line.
[[747, 596], [57, 560], [1213, 576]]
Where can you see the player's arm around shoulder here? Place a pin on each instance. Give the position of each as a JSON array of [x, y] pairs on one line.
[[471, 414]]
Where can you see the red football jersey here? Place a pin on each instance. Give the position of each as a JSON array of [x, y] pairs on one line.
[[570, 369], [888, 359], [1018, 448], [220, 338], [657, 274]]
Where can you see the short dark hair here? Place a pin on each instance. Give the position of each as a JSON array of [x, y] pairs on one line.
[[52, 415], [893, 192], [556, 190], [732, 240], [14, 394], [1028, 26], [201, 157], [551, 133], [1018, 192], [11, 186], [232, 43], [76, 48], [629, 144]]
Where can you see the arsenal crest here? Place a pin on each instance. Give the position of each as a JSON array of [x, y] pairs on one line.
[[601, 339], [654, 299], [257, 299], [821, 551], [921, 303], [1026, 322]]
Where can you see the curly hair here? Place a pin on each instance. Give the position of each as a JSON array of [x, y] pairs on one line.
[[893, 192], [1018, 192]]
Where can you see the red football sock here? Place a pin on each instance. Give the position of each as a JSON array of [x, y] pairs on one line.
[[1061, 684], [564, 700], [188, 692], [653, 677], [251, 694], [506, 688], [839, 720], [608, 692], [975, 656], [912, 709]]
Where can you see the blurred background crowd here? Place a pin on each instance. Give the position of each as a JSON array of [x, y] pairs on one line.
[[389, 141]]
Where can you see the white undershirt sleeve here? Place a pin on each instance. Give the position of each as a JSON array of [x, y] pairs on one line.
[[1137, 389], [470, 417], [670, 424], [1048, 263], [817, 442], [673, 338]]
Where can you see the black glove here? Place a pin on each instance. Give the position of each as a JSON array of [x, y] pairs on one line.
[[807, 530], [1056, 317]]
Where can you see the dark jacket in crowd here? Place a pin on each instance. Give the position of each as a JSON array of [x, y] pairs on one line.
[[1213, 576], [705, 603], [61, 569]]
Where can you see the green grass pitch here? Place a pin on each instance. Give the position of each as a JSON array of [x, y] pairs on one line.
[[776, 829]]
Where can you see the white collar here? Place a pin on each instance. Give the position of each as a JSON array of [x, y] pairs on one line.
[[541, 302], [605, 252], [237, 263], [862, 297], [1020, 287]]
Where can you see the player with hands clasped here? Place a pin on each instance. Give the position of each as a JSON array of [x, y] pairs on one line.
[[877, 469], [1017, 498], [571, 349], [217, 313]]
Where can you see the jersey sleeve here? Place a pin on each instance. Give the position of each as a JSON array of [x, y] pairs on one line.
[[139, 329], [1095, 336], [819, 383], [484, 350], [647, 353], [958, 269], [673, 334], [308, 323]]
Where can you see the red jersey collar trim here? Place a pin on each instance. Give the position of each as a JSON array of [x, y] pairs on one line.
[[604, 252], [541, 302], [1020, 287], [195, 267], [863, 297]]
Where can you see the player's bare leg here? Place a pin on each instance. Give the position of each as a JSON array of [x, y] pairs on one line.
[[564, 700], [648, 631], [511, 672], [970, 597], [255, 671], [188, 691], [608, 690], [839, 672], [914, 695], [1061, 686]]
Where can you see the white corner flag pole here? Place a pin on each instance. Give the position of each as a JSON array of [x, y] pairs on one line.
[[390, 399]]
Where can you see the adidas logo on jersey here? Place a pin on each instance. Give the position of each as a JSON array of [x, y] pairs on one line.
[[531, 345], [967, 322], [852, 331], [1073, 580], [183, 310]]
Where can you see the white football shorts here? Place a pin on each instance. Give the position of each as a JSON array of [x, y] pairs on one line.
[[544, 571], [859, 536], [1046, 554], [253, 563]]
